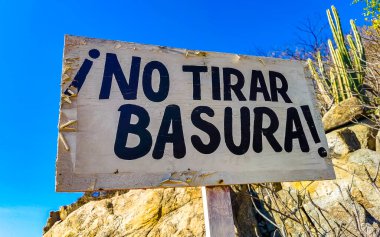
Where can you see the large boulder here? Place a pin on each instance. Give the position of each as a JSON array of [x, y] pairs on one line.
[[151, 212], [343, 113], [342, 141], [351, 138]]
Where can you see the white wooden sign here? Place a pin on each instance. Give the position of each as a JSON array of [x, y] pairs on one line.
[[139, 116]]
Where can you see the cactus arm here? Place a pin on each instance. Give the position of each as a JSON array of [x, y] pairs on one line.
[[320, 84], [334, 87]]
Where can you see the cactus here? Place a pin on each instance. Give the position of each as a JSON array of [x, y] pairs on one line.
[[347, 71]]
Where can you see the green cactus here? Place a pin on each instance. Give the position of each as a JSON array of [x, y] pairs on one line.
[[347, 71]]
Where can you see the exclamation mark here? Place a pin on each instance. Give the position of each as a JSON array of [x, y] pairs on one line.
[[313, 130], [81, 75]]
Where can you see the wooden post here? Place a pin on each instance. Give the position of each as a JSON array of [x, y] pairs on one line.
[[218, 211]]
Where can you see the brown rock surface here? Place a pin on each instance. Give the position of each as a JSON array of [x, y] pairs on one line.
[[351, 138], [342, 141], [365, 131], [342, 113], [151, 212]]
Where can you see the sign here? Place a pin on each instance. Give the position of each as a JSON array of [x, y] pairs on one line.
[[140, 116]]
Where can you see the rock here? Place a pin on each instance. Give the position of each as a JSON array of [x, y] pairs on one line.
[[342, 113], [364, 158], [53, 218], [151, 212], [365, 131], [351, 138], [64, 211], [342, 141]]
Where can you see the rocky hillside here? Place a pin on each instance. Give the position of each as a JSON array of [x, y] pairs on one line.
[[349, 205], [152, 212]]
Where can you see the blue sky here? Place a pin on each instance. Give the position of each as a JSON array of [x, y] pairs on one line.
[[31, 46]]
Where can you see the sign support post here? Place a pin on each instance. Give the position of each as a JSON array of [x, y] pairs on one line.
[[218, 211]]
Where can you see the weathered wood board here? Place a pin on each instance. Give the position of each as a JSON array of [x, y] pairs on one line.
[[140, 116], [218, 214]]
